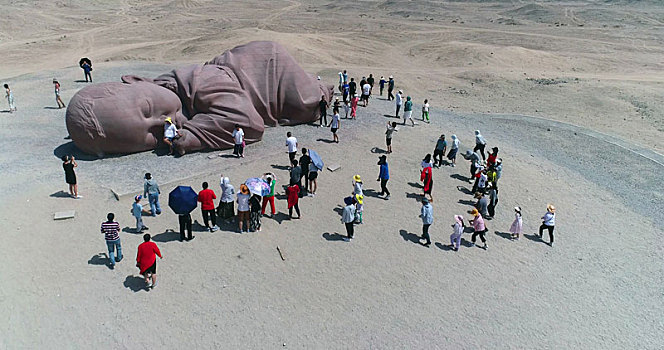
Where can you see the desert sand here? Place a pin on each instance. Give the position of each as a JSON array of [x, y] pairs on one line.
[[571, 93]]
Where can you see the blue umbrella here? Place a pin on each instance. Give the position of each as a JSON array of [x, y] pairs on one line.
[[315, 158], [183, 199]]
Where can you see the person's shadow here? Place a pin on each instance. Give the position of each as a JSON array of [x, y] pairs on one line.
[[466, 202], [505, 235], [280, 167], [378, 150], [167, 236], [325, 140], [443, 246], [410, 237], [333, 236], [99, 259], [460, 177], [60, 194], [535, 238], [135, 283]]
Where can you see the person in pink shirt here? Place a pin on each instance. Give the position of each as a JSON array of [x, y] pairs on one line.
[[479, 227], [353, 106]]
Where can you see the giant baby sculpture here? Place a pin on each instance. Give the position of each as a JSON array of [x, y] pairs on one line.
[[252, 85]]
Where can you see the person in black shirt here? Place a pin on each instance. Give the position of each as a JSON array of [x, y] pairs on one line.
[[352, 87], [322, 105], [371, 81], [363, 81], [390, 88], [305, 160], [68, 164]]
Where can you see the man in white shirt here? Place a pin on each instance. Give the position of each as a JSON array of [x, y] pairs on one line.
[[291, 143], [170, 134], [366, 91], [238, 138], [398, 101]]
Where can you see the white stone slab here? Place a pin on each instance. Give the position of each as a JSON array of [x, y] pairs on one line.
[[62, 215]]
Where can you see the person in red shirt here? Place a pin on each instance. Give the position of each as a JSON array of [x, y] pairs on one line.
[[427, 178], [146, 260], [491, 161], [207, 197], [292, 193]]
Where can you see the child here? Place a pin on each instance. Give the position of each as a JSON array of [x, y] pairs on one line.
[[292, 192], [357, 185], [517, 225], [360, 208], [334, 126], [57, 94], [137, 211], [255, 209], [425, 111]]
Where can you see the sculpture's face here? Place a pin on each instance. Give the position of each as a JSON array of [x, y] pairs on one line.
[[122, 118]]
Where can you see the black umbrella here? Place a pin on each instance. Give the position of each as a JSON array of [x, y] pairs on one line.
[[84, 60]]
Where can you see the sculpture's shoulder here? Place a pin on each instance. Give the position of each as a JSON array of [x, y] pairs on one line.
[[255, 51]]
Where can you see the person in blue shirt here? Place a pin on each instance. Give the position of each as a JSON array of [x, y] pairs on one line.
[[439, 151], [383, 176], [382, 84]]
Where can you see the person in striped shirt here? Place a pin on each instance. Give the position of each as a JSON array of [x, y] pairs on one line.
[[111, 230]]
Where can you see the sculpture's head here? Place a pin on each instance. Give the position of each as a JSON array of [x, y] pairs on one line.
[[113, 118]]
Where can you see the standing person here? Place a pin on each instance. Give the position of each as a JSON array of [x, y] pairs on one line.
[[292, 199], [137, 211], [345, 74], [336, 105], [454, 149], [348, 217], [480, 143], [271, 181], [383, 176], [111, 231], [334, 126], [207, 197], [58, 99], [425, 111], [146, 260], [305, 161], [10, 99], [499, 168], [357, 185], [480, 180], [243, 208], [391, 128], [185, 225], [493, 157], [353, 106], [226, 210], [68, 164], [427, 179], [493, 200], [381, 84], [408, 111], [390, 88], [238, 139], [346, 109], [370, 81], [313, 179], [455, 237], [398, 103], [366, 92], [517, 224], [87, 68], [346, 91], [291, 143], [362, 82], [152, 192], [548, 222], [359, 208], [296, 175], [439, 151], [255, 213], [426, 213], [352, 87], [170, 134], [426, 162], [479, 228], [322, 107], [482, 204]]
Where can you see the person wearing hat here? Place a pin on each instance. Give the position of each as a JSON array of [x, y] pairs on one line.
[[455, 237], [243, 208], [479, 228], [426, 213], [137, 211], [517, 224], [353, 105], [170, 134], [454, 149], [226, 210], [359, 208], [152, 192], [548, 222], [398, 102], [381, 84], [348, 217], [383, 176], [408, 111], [390, 88], [58, 99], [480, 143], [336, 105], [357, 185]]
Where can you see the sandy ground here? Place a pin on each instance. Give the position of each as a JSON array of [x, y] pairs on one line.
[[599, 287]]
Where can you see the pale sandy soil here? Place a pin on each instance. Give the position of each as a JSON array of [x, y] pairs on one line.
[[599, 287]]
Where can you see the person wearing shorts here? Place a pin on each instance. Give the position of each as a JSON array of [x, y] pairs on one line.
[[313, 175], [146, 260], [243, 207], [391, 128], [408, 111], [334, 126]]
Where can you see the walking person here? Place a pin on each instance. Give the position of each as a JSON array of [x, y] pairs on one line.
[[391, 128], [455, 237], [427, 179], [426, 213], [68, 164], [238, 140], [111, 231], [383, 176], [255, 213], [408, 111], [371, 81], [482, 204], [226, 210], [170, 134], [137, 211], [348, 217], [185, 225], [381, 84], [10, 99], [206, 197], [398, 103], [353, 106], [493, 200], [439, 151], [346, 92], [366, 92], [479, 228], [454, 149], [390, 88], [480, 143], [87, 69], [313, 179], [352, 87], [146, 260], [346, 109], [334, 126], [292, 192], [152, 192], [291, 143], [243, 208], [548, 222], [271, 181], [322, 107], [425, 111], [58, 99], [517, 224], [296, 176]]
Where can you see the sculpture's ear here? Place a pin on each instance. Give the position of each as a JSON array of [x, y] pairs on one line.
[[129, 79]]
